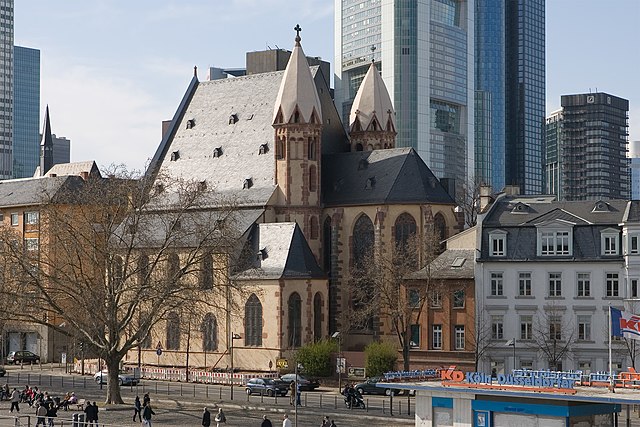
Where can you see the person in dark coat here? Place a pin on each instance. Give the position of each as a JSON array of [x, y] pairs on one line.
[[266, 422], [147, 412], [206, 418], [146, 399], [137, 409]]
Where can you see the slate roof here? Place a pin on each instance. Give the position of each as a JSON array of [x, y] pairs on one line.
[[392, 176], [285, 254], [587, 219], [372, 101], [451, 264], [75, 168], [633, 211], [35, 191]]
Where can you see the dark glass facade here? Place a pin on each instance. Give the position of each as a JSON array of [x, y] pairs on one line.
[[490, 92], [525, 94], [6, 88], [26, 111]]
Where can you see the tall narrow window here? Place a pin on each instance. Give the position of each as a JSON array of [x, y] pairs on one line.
[[173, 266], [524, 284], [313, 227], [311, 152], [143, 269], [497, 327], [117, 270], [317, 317], [436, 337], [295, 320], [173, 331], [584, 327], [415, 336], [206, 272], [362, 240], [526, 327], [326, 245], [253, 322], [209, 333], [496, 284], [613, 285], [405, 228], [555, 284], [459, 338], [313, 179], [555, 327]]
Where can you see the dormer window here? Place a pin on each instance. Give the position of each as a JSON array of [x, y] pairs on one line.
[[175, 156], [248, 183], [262, 254], [191, 123], [202, 185], [217, 152], [371, 183], [610, 241], [555, 242], [600, 206], [233, 119], [520, 208], [363, 164], [264, 149], [498, 243]]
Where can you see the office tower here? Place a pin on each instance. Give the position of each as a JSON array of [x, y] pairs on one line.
[[490, 92], [525, 93], [424, 51], [590, 135], [6, 88], [634, 165], [553, 158], [61, 150], [26, 111]]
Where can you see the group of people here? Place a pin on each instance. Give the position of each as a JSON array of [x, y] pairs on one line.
[[143, 410], [220, 419], [91, 413]]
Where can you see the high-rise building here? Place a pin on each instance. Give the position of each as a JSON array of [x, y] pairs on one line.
[[490, 92], [26, 111], [634, 166], [525, 94], [587, 143], [61, 150], [6, 88], [424, 49]]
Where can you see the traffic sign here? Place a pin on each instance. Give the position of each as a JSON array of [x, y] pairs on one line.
[[159, 346], [158, 351], [341, 365]]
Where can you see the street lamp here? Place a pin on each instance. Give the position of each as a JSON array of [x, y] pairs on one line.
[[339, 364], [233, 337], [512, 343]]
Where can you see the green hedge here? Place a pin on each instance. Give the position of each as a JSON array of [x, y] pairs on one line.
[[316, 358], [380, 357]]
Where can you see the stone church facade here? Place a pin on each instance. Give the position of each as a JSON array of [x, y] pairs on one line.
[[313, 197]]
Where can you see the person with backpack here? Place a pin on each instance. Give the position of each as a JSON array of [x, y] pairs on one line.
[[147, 412], [220, 418]]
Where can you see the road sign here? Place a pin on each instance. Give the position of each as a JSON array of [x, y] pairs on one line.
[[158, 351], [341, 365], [282, 363], [159, 346], [356, 372]]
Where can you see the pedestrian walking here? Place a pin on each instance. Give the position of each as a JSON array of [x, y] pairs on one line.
[[147, 412], [52, 412], [206, 418], [286, 422], [325, 421], [146, 399], [41, 413], [298, 395], [88, 413], [220, 418], [292, 388], [15, 400], [95, 413], [333, 424], [266, 422], [137, 409]]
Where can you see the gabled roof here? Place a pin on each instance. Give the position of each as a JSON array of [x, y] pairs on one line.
[[35, 191], [372, 101], [390, 176], [297, 90], [557, 215], [75, 168], [451, 264], [282, 252]]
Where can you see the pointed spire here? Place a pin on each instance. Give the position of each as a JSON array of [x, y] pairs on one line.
[[46, 145], [195, 71], [372, 104], [297, 100]]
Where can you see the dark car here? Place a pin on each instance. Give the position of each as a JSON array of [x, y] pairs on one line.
[[267, 387], [22, 356], [306, 384], [369, 387]]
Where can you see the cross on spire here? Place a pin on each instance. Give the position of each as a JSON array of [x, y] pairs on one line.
[[373, 56], [297, 29]]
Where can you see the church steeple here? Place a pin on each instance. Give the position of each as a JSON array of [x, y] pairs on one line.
[[372, 122], [46, 145], [297, 100]]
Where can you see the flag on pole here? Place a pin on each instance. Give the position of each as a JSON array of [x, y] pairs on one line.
[[624, 324]]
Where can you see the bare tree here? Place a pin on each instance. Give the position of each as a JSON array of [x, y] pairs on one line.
[[469, 201], [553, 336], [116, 256], [481, 340], [379, 289]]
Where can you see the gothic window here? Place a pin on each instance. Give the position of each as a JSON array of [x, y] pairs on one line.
[[117, 270], [253, 322], [326, 245], [362, 240], [143, 268], [296, 116], [440, 228], [405, 228], [313, 226], [295, 320], [280, 149], [313, 179], [173, 331], [311, 154], [209, 333], [173, 266], [206, 272], [317, 317]]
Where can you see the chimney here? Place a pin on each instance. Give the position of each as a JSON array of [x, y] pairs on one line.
[[485, 197], [84, 175], [512, 190]]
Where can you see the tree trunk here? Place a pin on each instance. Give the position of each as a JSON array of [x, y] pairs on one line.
[[113, 383], [405, 354]]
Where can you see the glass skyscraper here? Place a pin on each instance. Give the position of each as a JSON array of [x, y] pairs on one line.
[[26, 111], [525, 94], [6, 88], [424, 51]]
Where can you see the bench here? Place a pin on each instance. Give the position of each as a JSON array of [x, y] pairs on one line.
[[80, 404]]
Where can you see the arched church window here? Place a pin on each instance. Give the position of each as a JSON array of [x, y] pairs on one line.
[[317, 317], [206, 272], [405, 228], [173, 267], [313, 179], [280, 149], [362, 240], [313, 227], [173, 331], [440, 228], [295, 320], [209, 333], [326, 245], [253, 322], [311, 153]]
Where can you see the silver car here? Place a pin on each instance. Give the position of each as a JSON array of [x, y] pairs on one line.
[[124, 378]]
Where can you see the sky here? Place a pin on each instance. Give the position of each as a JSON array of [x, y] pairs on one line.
[[113, 70]]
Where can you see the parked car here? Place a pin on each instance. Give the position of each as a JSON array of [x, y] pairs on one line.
[[124, 378], [369, 387], [267, 387], [22, 356], [306, 384]]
